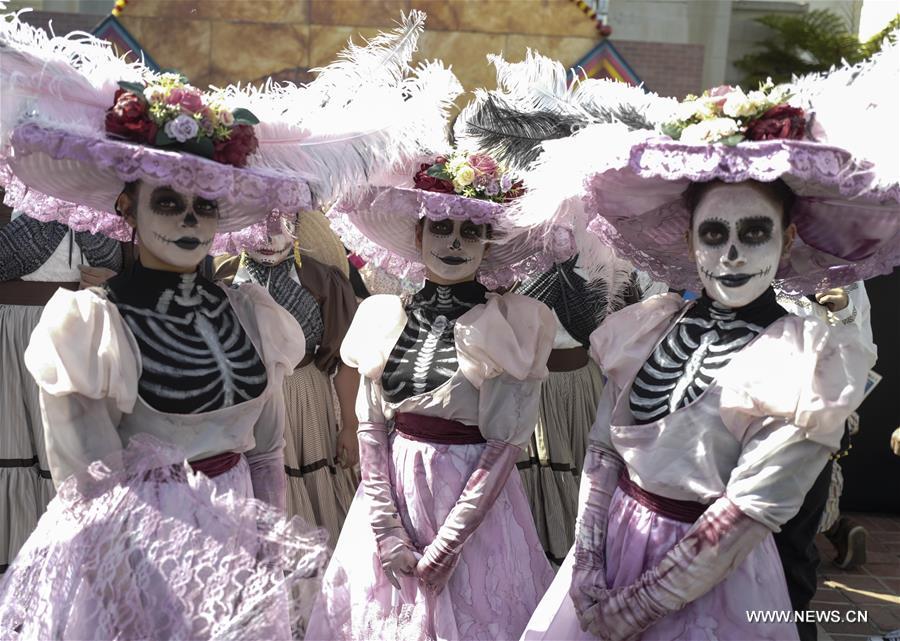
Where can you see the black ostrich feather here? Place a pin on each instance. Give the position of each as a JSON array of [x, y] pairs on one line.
[[512, 135]]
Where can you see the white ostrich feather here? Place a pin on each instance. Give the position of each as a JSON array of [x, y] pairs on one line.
[[856, 107], [366, 115], [537, 83], [61, 81], [554, 184], [383, 61]]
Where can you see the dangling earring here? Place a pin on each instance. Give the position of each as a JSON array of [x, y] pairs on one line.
[[298, 259]]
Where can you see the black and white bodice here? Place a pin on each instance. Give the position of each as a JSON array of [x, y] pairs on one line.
[[195, 355], [690, 356], [579, 305], [284, 285], [26, 243], [425, 354]]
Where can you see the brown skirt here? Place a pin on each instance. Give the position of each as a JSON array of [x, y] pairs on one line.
[[318, 489], [551, 470]]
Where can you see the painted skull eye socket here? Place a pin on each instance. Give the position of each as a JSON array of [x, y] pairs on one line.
[[713, 233], [206, 208], [167, 202], [471, 231], [755, 231], [440, 227]]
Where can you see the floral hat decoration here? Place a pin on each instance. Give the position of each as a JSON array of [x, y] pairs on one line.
[[78, 122], [847, 207]]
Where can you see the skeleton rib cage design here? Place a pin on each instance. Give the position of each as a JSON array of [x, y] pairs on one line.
[[687, 360], [424, 357], [195, 356]]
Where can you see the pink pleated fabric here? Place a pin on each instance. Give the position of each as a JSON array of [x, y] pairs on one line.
[[501, 575], [638, 540]]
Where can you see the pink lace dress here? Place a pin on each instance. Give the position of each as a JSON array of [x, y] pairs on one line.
[[136, 544], [502, 349]]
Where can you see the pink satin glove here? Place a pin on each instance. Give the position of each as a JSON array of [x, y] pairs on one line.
[[598, 482], [484, 486], [268, 479], [715, 545], [395, 550]]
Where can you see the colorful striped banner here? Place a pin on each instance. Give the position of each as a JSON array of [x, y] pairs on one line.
[[604, 61]]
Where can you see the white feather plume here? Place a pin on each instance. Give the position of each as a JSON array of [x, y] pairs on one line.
[[382, 61], [857, 107], [69, 81], [554, 184]]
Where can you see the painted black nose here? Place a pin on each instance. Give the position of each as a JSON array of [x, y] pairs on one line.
[[455, 244], [732, 253], [190, 220]]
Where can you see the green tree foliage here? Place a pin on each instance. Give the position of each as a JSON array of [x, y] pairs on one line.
[[799, 44]]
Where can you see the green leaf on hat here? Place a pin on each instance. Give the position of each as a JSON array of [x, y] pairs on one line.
[[244, 117], [439, 171], [163, 139], [133, 87], [732, 140], [672, 130], [200, 147]]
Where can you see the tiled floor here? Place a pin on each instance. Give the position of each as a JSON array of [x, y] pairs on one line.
[[873, 588]]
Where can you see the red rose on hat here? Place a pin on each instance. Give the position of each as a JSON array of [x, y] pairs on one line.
[[128, 118], [779, 122], [237, 148], [431, 183]]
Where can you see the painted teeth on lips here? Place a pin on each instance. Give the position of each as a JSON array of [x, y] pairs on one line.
[[735, 280]]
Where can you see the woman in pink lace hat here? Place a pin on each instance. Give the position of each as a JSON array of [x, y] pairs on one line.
[[439, 542], [718, 414], [161, 392]]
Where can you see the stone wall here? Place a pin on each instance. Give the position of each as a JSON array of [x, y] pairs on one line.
[[223, 41]]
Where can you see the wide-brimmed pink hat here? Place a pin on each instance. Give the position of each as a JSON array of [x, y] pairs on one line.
[[380, 226], [847, 206], [847, 228]]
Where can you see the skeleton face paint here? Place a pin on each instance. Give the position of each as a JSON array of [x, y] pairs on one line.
[[737, 242], [279, 244], [176, 227], [452, 250]]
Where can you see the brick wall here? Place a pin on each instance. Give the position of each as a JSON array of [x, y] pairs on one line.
[[668, 69]]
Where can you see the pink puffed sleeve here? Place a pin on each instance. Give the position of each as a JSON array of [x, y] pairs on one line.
[[802, 370], [377, 325], [86, 366], [81, 346], [785, 398], [624, 340], [510, 334], [502, 347]]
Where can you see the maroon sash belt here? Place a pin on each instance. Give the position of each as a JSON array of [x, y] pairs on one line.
[[433, 429], [567, 360], [683, 511], [216, 465], [29, 292]]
